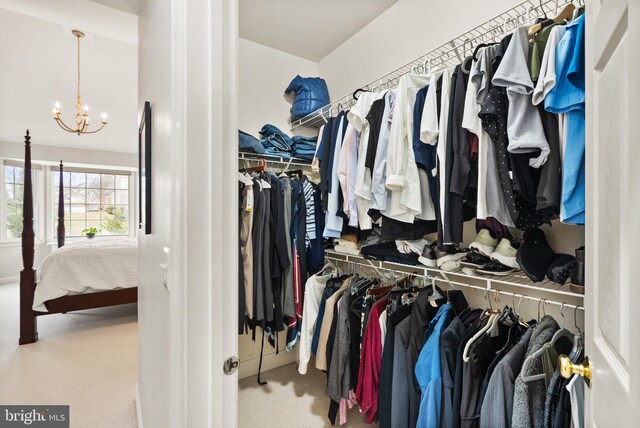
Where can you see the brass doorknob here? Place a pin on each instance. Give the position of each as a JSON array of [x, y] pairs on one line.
[[567, 368]]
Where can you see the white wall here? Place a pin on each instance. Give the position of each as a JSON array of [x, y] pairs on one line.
[[263, 75], [405, 31]]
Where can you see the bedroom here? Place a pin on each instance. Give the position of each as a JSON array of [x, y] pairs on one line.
[[99, 191]]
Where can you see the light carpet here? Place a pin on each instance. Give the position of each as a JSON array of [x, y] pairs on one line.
[[86, 359], [288, 399]]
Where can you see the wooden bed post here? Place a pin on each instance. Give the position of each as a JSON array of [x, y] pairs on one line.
[[61, 208], [28, 323]]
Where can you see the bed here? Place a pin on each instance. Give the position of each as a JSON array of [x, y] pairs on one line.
[[83, 275]]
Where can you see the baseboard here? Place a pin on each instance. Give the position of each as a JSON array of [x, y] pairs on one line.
[[138, 408], [270, 361], [10, 279]]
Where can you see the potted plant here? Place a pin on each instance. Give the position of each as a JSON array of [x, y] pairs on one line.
[[90, 232]]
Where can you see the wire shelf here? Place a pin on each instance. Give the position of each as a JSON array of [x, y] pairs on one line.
[[280, 160], [504, 284], [446, 55]]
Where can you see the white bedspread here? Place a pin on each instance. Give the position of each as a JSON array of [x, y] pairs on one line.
[[88, 266]]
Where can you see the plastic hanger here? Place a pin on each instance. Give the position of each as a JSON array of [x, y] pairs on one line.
[[578, 341], [529, 360], [565, 14], [492, 316]]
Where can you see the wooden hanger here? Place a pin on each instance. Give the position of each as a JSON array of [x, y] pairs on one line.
[[565, 14], [260, 168]]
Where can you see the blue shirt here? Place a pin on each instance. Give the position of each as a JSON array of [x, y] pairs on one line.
[[429, 370], [568, 96]]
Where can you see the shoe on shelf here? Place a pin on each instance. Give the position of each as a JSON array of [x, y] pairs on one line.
[[484, 243], [428, 257], [449, 253], [577, 278], [535, 255], [470, 270], [475, 258], [561, 268], [495, 268], [451, 266], [505, 253]]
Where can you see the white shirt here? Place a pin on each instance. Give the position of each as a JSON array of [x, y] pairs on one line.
[[357, 117], [347, 166], [403, 179], [314, 288], [379, 193]]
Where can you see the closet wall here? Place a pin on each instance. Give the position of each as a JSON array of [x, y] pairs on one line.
[[404, 32], [263, 75]]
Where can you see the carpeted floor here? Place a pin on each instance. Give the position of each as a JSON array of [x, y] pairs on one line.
[[87, 359], [289, 399]]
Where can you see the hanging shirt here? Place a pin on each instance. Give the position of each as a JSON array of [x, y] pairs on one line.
[[333, 222], [524, 126], [312, 296], [347, 170], [490, 197], [379, 192], [568, 96], [370, 364], [443, 128], [547, 75], [358, 118], [425, 158], [402, 172], [429, 371]]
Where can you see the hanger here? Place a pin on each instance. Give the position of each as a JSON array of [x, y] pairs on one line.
[[357, 91], [578, 340], [529, 360], [565, 14], [260, 168], [483, 330], [480, 46]]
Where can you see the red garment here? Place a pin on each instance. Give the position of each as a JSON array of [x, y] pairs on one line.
[[473, 142], [370, 364]]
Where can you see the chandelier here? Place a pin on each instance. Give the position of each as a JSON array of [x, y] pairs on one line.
[[82, 112]]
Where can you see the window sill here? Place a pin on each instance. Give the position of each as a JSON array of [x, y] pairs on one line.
[[18, 243]]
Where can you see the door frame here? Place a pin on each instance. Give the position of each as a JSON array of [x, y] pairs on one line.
[[203, 260]]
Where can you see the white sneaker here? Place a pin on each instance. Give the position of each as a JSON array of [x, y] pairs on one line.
[[505, 254], [484, 243]]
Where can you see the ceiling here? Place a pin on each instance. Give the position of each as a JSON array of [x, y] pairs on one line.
[[129, 6], [307, 28], [39, 68]]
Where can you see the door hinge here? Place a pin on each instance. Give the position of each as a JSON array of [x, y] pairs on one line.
[[231, 365]]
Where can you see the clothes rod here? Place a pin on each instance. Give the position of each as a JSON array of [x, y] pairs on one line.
[[459, 284], [448, 54]]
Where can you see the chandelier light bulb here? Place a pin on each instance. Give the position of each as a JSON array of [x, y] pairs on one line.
[[86, 108], [57, 105], [104, 117]]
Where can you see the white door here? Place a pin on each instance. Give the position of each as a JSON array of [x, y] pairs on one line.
[[613, 204]]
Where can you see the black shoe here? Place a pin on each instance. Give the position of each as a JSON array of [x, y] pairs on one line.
[[535, 255], [577, 278], [449, 253], [476, 258], [495, 268], [428, 257], [561, 268]]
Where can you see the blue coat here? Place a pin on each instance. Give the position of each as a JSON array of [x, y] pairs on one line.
[[311, 93]]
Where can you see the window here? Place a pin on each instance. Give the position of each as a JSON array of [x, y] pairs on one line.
[[97, 199], [12, 176], [13, 193]]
